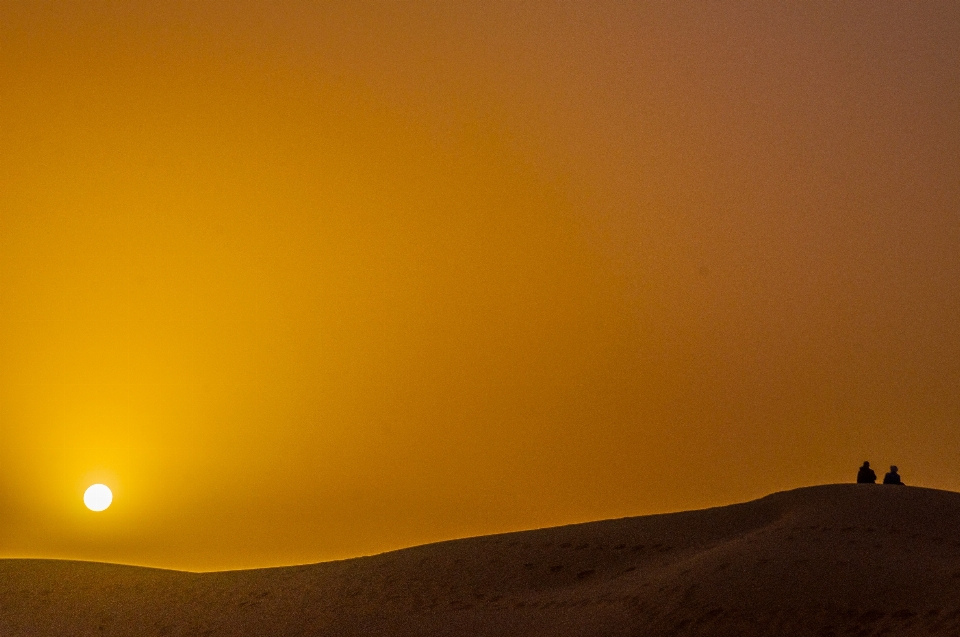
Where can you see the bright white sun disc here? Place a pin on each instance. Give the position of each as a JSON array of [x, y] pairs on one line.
[[97, 497]]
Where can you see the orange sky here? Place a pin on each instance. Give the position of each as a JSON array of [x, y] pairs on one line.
[[302, 283]]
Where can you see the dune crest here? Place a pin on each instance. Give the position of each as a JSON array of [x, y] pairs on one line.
[[827, 560]]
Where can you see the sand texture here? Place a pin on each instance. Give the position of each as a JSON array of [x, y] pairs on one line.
[[827, 560]]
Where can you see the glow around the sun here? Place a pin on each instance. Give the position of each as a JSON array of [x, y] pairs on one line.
[[97, 497]]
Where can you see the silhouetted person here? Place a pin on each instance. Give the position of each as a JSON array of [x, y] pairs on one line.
[[866, 474], [892, 477]]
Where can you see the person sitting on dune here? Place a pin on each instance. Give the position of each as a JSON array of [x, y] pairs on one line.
[[866, 474], [892, 477]]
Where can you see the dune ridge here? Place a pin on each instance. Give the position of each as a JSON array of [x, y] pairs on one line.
[[827, 560]]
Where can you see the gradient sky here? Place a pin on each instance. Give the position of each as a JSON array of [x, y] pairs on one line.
[[303, 281]]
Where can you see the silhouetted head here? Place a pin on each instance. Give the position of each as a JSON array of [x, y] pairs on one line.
[[865, 464], [893, 468]]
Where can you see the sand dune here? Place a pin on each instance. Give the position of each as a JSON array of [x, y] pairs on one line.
[[828, 560]]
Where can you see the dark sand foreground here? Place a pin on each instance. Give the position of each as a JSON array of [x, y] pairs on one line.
[[828, 560]]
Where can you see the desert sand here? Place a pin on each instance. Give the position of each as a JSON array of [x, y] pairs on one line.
[[826, 560]]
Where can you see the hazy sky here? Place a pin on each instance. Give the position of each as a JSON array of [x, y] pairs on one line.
[[303, 281]]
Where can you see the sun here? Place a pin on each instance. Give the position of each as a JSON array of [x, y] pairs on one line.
[[97, 497]]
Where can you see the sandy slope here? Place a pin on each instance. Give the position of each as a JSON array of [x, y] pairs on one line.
[[828, 560]]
